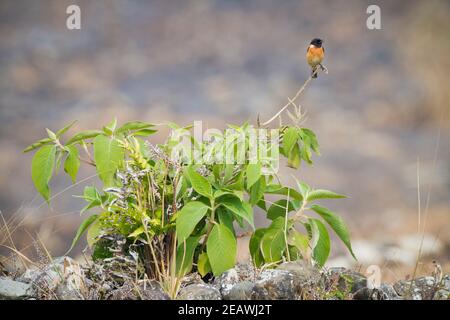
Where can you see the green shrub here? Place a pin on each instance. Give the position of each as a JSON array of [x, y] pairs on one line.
[[184, 211]]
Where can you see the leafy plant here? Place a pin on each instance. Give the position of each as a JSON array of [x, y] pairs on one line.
[[181, 202]]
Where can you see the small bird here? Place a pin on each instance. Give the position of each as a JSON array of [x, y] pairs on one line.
[[314, 55]]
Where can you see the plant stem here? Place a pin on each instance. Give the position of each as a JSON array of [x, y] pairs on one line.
[[299, 92], [291, 101], [211, 223]]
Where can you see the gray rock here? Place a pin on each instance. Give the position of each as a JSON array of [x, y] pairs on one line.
[[275, 284], [129, 291], [192, 278], [445, 283], [15, 290], [241, 291], [125, 292], [442, 295], [153, 291], [226, 281], [349, 280], [246, 271], [365, 294], [388, 292], [304, 273], [422, 288], [63, 279], [29, 275], [384, 292], [199, 292]]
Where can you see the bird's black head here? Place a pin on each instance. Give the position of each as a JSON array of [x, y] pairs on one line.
[[317, 42]]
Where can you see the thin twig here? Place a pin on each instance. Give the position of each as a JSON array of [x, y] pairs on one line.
[[291, 101], [299, 92]]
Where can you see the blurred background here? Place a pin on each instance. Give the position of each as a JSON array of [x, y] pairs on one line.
[[381, 114]]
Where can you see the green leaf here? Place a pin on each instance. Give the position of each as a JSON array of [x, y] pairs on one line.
[[203, 265], [91, 194], [59, 155], [222, 192], [321, 241], [81, 229], [305, 153], [298, 240], [134, 125], [273, 242], [108, 155], [278, 209], [257, 191], [199, 183], [100, 250], [188, 217], [239, 208], [185, 255], [289, 139], [144, 132], [254, 247], [323, 194], [253, 172], [51, 134], [238, 183], [337, 224], [280, 190], [140, 230], [221, 247], [93, 232], [110, 127], [72, 163], [294, 157], [303, 188], [42, 169], [312, 138], [37, 144], [88, 134], [226, 218], [60, 132]]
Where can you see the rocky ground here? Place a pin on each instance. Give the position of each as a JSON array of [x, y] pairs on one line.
[[66, 279]]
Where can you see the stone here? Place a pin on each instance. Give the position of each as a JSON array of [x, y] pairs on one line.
[[226, 281], [130, 291], [192, 278], [445, 283], [384, 292], [63, 278], [29, 275], [349, 280], [125, 292], [15, 290], [199, 292], [388, 292], [442, 294], [422, 288], [241, 291], [246, 271], [275, 284], [364, 294], [304, 273], [152, 291]]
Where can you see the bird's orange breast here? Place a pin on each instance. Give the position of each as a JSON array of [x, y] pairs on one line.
[[314, 55]]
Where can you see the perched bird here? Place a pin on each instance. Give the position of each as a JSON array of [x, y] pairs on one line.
[[314, 55]]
